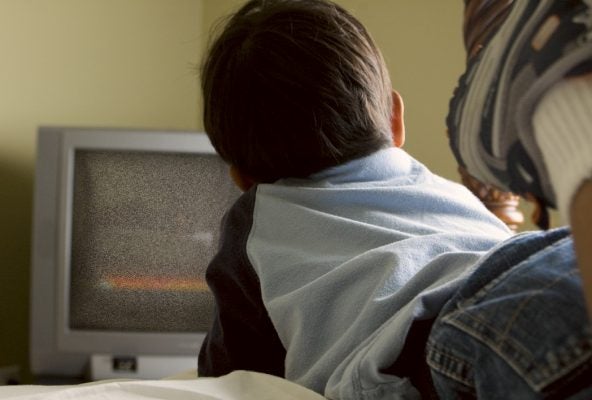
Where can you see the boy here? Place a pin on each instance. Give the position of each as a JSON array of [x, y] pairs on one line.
[[343, 250]]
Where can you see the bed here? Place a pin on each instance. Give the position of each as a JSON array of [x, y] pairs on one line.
[[243, 385]]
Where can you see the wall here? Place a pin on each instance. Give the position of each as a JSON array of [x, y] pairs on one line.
[[126, 63]]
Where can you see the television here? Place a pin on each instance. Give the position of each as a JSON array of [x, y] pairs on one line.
[[125, 223]]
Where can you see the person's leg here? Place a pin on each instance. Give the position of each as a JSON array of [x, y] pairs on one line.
[[518, 328]]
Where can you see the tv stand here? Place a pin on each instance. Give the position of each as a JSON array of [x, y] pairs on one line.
[[107, 366]]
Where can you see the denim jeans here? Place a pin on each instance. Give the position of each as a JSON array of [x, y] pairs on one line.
[[518, 328]]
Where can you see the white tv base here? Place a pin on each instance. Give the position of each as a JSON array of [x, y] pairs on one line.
[[106, 366]]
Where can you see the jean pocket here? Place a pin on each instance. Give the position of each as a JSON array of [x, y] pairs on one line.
[[531, 318]]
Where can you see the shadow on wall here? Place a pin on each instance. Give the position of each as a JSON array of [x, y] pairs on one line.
[[16, 198]]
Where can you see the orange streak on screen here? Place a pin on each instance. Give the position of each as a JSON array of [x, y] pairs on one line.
[[155, 283]]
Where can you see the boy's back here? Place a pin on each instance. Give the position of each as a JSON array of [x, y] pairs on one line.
[[330, 272], [341, 240]]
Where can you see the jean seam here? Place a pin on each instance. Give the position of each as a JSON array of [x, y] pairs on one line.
[[523, 303], [548, 378], [452, 318], [457, 362], [494, 282], [522, 363]]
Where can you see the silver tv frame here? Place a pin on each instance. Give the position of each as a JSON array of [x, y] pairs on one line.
[[55, 350]]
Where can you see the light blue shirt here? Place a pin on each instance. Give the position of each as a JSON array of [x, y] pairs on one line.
[[350, 257]]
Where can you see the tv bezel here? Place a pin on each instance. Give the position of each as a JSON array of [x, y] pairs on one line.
[[55, 349]]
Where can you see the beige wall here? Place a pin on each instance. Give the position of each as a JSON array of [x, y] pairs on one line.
[[422, 45], [130, 63]]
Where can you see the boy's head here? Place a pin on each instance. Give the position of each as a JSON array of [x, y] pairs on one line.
[[292, 87]]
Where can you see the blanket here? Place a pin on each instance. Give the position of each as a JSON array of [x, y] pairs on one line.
[[238, 385]]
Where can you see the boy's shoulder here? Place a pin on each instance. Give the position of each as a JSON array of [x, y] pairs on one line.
[[388, 189]]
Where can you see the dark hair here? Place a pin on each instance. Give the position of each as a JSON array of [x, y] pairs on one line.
[[292, 87]]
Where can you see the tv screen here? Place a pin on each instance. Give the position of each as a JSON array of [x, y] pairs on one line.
[[125, 224], [144, 226]]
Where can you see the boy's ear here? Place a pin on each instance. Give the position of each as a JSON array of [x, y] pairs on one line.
[[398, 121], [244, 182]]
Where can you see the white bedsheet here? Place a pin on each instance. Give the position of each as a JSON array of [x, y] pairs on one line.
[[239, 385]]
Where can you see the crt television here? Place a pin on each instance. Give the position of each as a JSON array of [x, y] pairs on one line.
[[124, 224]]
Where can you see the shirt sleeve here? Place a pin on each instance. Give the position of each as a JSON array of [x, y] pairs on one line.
[[242, 336]]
